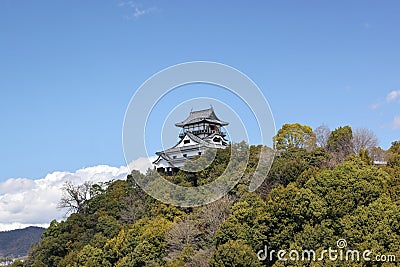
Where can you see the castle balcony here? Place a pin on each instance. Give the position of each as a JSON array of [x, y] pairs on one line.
[[206, 131]]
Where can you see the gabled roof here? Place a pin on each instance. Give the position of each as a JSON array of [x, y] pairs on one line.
[[198, 142], [211, 136], [202, 115]]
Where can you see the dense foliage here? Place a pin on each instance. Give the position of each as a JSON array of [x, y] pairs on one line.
[[312, 197]]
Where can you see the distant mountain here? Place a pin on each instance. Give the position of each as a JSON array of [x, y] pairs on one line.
[[16, 243]]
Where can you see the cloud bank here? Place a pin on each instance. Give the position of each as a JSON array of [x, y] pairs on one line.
[[25, 202]]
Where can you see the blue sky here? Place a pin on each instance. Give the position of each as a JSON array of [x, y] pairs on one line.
[[69, 68]]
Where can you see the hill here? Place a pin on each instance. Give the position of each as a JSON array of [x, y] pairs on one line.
[[312, 199], [16, 243]]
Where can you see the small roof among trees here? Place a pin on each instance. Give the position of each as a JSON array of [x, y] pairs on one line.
[[205, 115]]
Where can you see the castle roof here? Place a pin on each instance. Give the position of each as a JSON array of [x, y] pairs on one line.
[[205, 115], [198, 144]]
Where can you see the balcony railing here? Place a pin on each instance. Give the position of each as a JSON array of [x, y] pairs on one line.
[[196, 132]]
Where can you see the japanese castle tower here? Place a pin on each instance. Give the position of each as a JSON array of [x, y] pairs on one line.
[[200, 130]]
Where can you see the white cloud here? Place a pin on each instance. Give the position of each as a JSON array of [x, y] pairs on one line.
[[31, 202], [136, 9], [396, 123], [25, 202], [392, 96], [139, 12], [142, 164]]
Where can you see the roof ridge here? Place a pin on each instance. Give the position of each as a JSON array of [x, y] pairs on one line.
[[200, 115]]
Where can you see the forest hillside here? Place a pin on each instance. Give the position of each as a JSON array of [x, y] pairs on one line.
[[324, 187]]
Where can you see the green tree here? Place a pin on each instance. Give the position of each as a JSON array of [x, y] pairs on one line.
[[374, 227], [143, 243], [340, 143], [351, 184], [288, 166], [364, 155], [248, 221], [91, 257], [393, 168], [394, 154], [307, 204], [395, 147], [295, 135], [289, 209], [235, 253]]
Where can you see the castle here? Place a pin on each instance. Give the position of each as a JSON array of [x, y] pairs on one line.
[[201, 130]]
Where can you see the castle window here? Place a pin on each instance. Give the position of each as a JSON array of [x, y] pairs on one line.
[[186, 141]]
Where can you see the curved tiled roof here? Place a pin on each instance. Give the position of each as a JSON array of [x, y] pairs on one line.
[[201, 115], [199, 143]]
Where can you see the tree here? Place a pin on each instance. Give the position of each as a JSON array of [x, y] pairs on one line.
[[295, 135], [182, 234], [200, 259], [394, 154], [215, 213], [302, 204], [351, 184], [395, 147], [340, 143], [74, 197], [289, 209], [247, 221], [364, 155], [135, 203], [374, 227], [364, 139], [91, 257], [322, 134], [235, 253], [286, 168], [378, 154]]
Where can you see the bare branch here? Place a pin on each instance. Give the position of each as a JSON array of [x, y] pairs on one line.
[[322, 134], [182, 234], [215, 213], [364, 139], [74, 197]]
